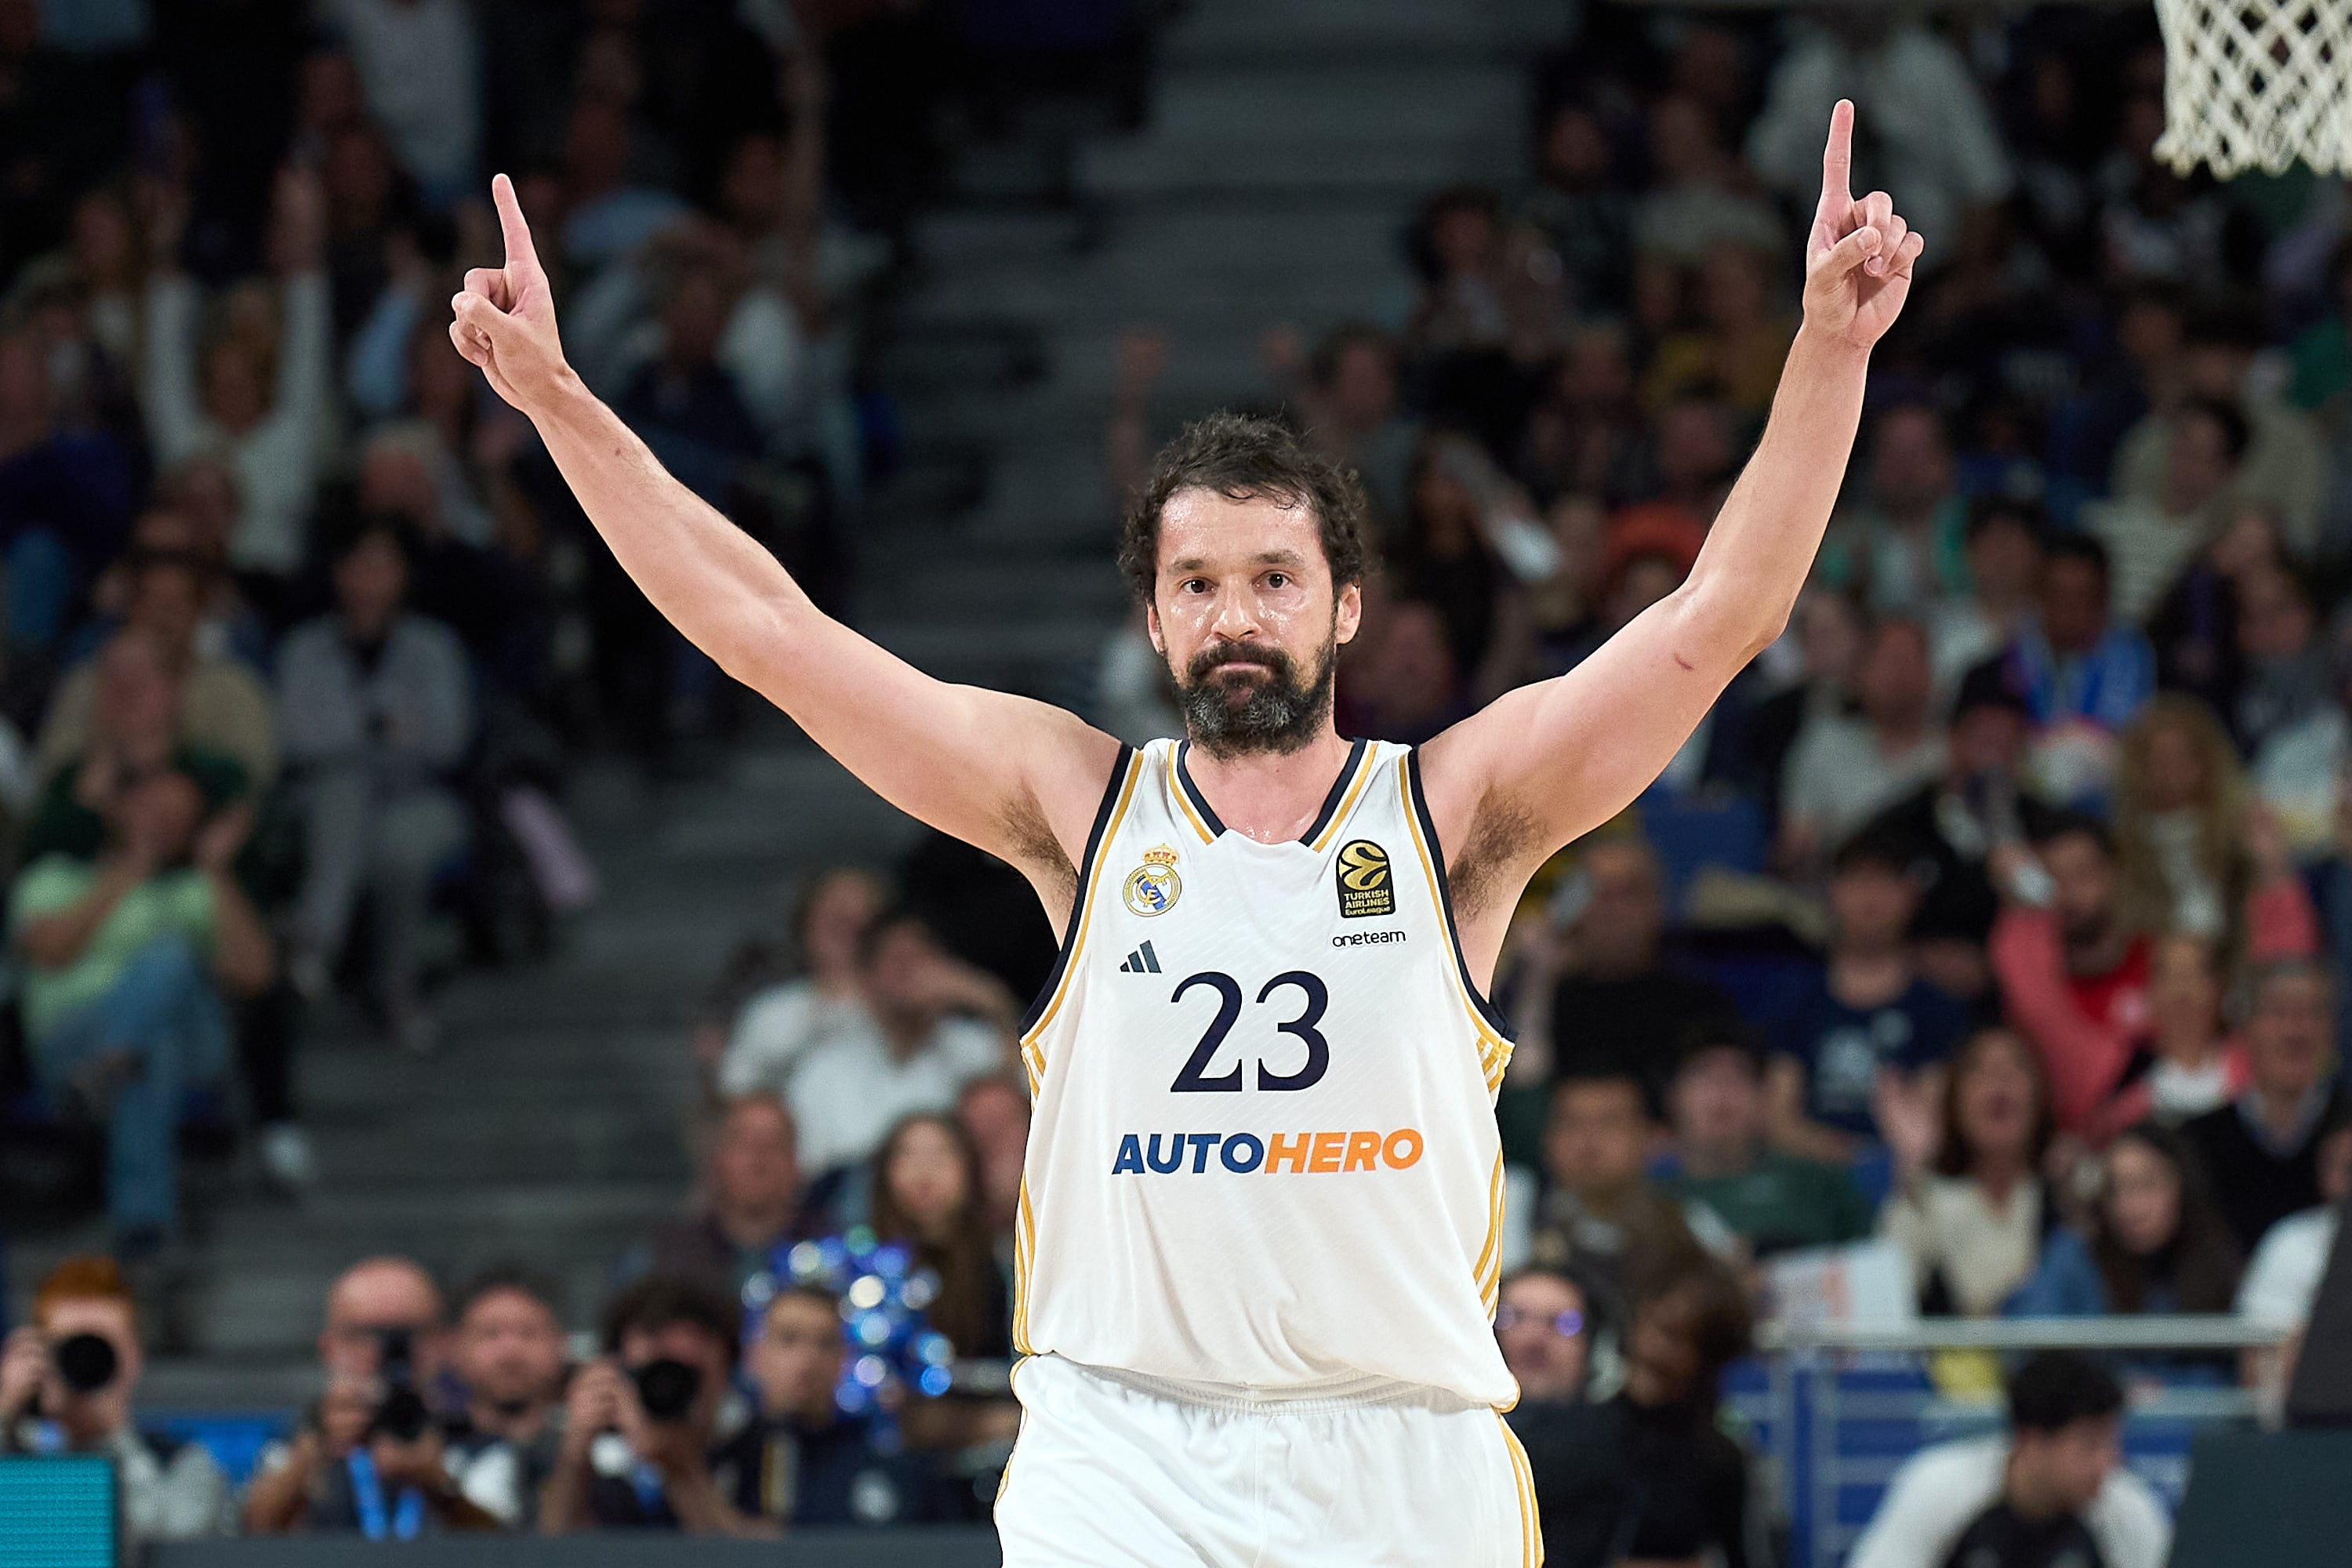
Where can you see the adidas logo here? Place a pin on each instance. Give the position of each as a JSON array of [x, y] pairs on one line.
[[1143, 960]]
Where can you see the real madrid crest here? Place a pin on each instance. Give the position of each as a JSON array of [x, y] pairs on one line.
[[1153, 887]]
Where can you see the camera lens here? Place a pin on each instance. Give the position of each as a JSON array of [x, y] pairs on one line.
[[86, 1362], [401, 1417], [667, 1388]]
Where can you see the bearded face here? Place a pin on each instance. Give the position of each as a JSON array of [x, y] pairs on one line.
[[1242, 698]]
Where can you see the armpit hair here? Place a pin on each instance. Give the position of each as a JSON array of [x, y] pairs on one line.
[[1032, 848], [1502, 834]]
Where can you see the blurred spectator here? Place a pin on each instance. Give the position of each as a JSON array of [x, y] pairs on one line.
[[1447, 558], [2194, 627], [1906, 548], [937, 1023], [1599, 1213], [126, 960], [1827, 633], [2156, 1242], [1863, 1013], [375, 711], [1399, 678], [927, 1196], [778, 1024], [1350, 403], [2289, 677], [219, 705], [421, 64], [1741, 349], [1585, 1491], [819, 1465], [654, 1435], [509, 1353], [1701, 198], [1843, 771], [994, 1112], [2275, 460], [1619, 995], [2192, 1069], [66, 497], [2053, 1490], [2261, 1152], [1772, 1201], [2193, 856], [1694, 1491], [1583, 208], [68, 1378], [222, 399], [2073, 667], [686, 404], [1969, 1207], [1588, 436], [1457, 248], [370, 1456], [1920, 122], [2282, 1278], [751, 1202], [2002, 549], [2149, 539], [1950, 828]]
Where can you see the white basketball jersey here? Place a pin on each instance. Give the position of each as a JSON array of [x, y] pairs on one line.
[[1264, 1154]]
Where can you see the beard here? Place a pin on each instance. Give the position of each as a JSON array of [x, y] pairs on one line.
[[1230, 715]]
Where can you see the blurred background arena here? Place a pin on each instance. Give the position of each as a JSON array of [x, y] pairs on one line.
[[506, 992]]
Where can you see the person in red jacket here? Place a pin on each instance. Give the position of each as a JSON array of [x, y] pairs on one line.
[[2074, 975]]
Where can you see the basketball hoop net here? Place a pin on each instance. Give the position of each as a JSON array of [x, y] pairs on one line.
[[2257, 84]]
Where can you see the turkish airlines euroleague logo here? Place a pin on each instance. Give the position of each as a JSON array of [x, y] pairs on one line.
[[1362, 874]]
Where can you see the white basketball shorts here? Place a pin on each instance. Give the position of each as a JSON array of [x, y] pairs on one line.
[[1113, 1471]]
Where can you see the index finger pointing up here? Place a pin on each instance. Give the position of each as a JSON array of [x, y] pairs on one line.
[[1837, 157], [521, 256]]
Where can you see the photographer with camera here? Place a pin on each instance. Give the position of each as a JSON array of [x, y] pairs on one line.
[[656, 1435], [371, 1456], [66, 1383]]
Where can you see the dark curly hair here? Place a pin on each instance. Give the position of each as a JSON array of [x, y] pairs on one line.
[[1244, 457]]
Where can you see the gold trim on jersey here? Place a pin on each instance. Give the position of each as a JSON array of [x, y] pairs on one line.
[[1488, 1270], [1531, 1552], [1033, 1053], [1365, 768], [1493, 1051], [1024, 1264]]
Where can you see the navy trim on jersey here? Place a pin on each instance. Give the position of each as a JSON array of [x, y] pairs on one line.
[[1339, 791], [1193, 793], [1486, 1009], [1086, 869]]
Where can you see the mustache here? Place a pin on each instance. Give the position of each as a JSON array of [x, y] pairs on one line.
[[1232, 655]]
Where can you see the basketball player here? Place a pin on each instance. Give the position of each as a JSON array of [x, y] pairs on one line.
[[1258, 1231]]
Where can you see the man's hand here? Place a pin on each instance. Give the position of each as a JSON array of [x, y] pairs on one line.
[[592, 1406], [219, 841], [505, 318], [1858, 259], [24, 1363], [419, 1464]]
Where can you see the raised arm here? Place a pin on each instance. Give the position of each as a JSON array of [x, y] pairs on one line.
[[1546, 762], [1014, 777]]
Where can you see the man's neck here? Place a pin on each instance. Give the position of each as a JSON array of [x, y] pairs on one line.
[[2097, 953], [1869, 977], [519, 1428], [1897, 735], [1269, 797], [752, 1227], [2026, 1497], [2280, 1107], [1713, 1162]]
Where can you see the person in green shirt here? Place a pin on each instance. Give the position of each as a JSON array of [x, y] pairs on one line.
[[1773, 1201], [125, 960]]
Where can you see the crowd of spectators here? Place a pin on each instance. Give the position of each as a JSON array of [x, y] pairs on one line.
[[299, 627]]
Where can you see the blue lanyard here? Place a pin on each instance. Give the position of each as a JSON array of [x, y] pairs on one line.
[[367, 1493], [647, 1481]]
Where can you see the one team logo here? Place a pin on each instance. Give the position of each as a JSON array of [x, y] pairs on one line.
[[1363, 880], [1153, 887]]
